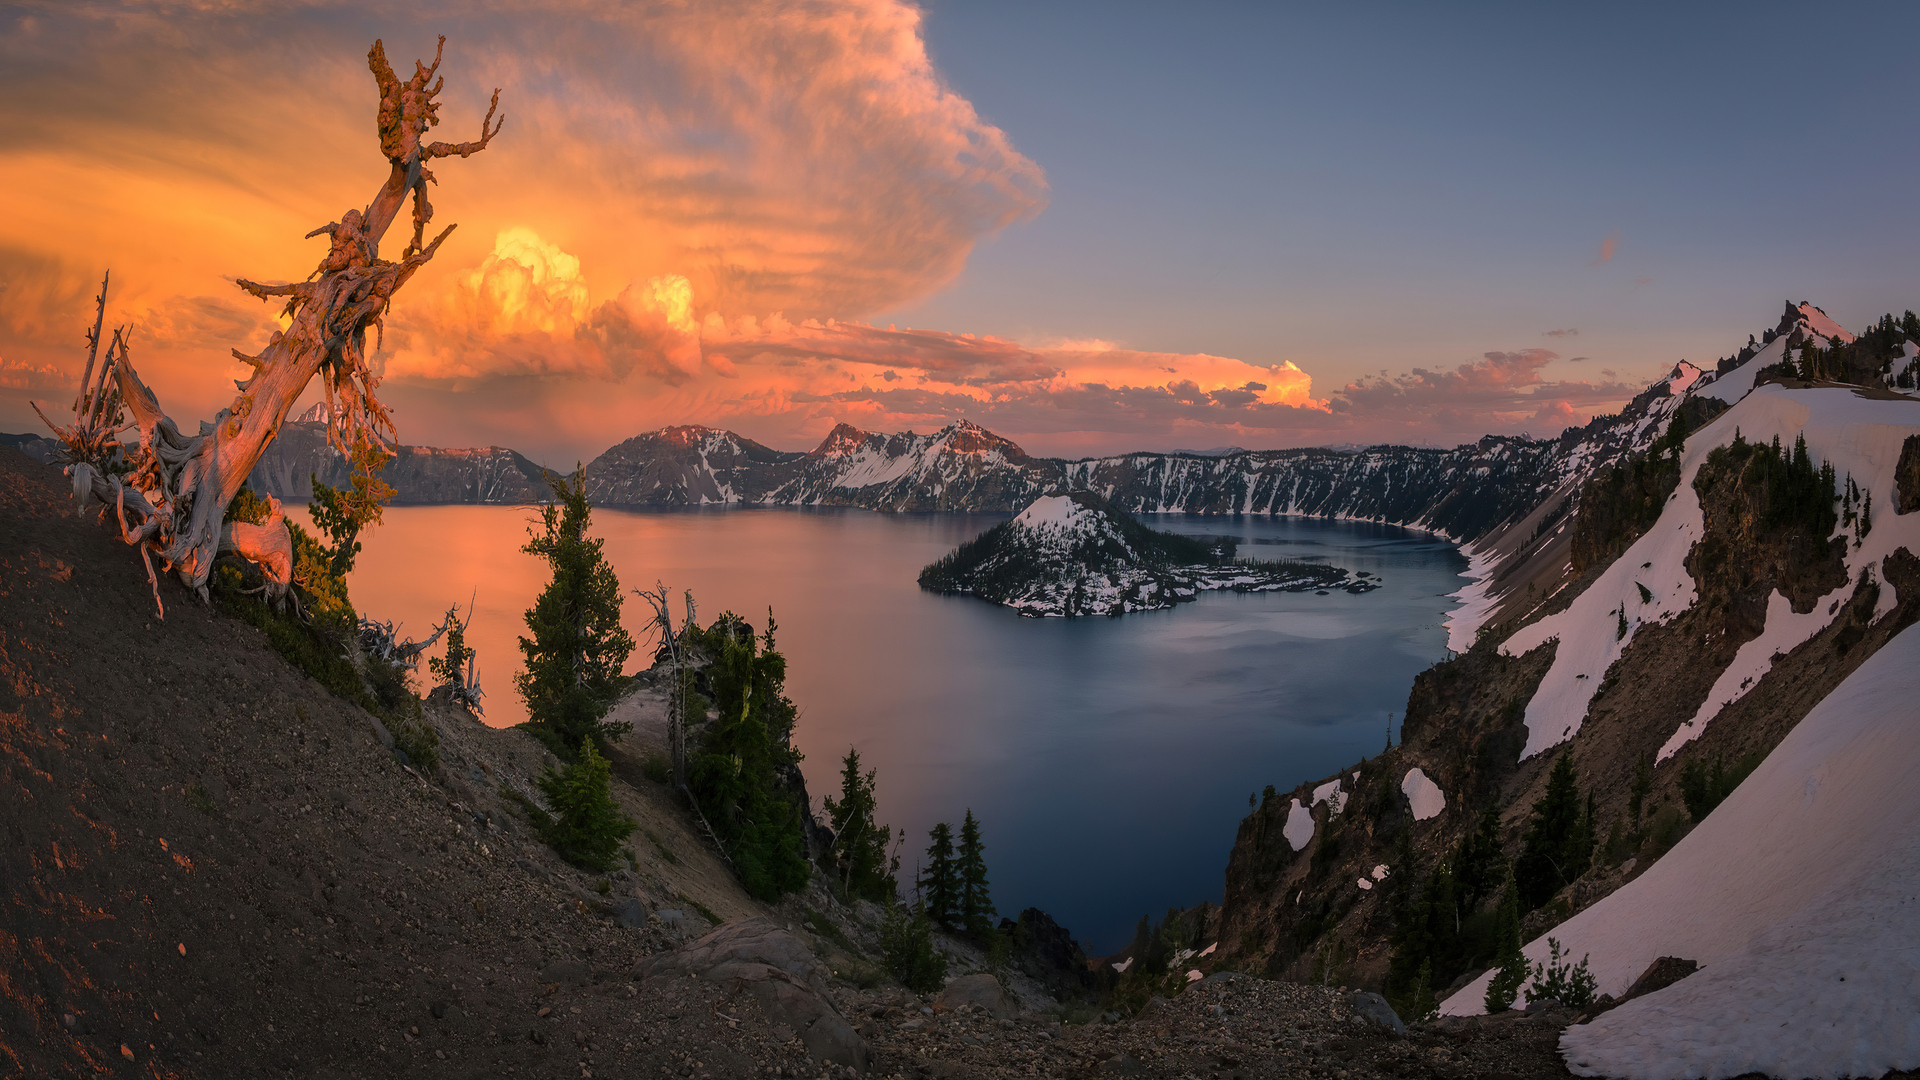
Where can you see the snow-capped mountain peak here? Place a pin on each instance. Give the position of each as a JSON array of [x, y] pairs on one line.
[[1816, 321], [1065, 521]]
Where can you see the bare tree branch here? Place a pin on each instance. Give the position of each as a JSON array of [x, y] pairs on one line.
[[177, 486]]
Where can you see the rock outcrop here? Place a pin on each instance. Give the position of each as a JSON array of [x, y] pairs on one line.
[[780, 973]]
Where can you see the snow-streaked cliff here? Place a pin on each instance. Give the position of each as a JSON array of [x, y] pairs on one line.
[[1800, 899]]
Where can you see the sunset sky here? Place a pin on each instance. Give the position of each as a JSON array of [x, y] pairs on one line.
[[1090, 227]]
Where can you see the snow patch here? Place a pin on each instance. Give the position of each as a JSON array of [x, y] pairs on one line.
[[1364, 883], [1476, 598], [1818, 322], [1736, 384], [1330, 794], [1797, 896], [1425, 795], [1380, 872], [1784, 632], [1299, 827], [1050, 510]]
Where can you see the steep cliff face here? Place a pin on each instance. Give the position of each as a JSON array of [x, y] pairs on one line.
[[1693, 641]]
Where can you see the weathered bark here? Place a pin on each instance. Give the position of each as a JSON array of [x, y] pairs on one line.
[[267, 545], [460, 687], [177, 487], [660, 601]]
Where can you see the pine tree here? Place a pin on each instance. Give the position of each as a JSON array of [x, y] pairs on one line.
[[778, 712], [1580, 844], [859, 844], [733, 773], [341, 513], [906, 943], [1425, 1008], [940, 885], [455, 670], [975, 905], [1545, 864], [1482, 865], [586, 827], [1510, 962], [578, 646]]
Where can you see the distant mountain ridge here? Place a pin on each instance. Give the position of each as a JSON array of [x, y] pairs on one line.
[[419, 475], [1463, 492]]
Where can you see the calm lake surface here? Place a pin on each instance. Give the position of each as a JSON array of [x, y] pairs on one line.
[[1109, 760]]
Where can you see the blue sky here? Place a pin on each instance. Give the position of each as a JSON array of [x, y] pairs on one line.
[[1371, 186]]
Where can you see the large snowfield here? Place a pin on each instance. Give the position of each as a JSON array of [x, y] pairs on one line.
[[1800, 899], [1800, 895]]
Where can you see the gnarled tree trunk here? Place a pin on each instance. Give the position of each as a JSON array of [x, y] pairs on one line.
[[172, 491]]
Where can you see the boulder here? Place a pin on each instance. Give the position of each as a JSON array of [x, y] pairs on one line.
[[787, 980], [1045, 951], [629, 914], [1374, 1010], [1659, 975], [983, 992]]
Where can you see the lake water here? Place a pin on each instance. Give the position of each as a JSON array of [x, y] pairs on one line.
[[1108, 760]]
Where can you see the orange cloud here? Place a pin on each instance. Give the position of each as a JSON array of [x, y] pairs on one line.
[[516, 345], [732, 158], [1606, 251], [1502, 391]]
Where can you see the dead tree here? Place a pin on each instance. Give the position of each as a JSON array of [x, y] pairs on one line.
[[171, 491], [381, 641], [460, 685], [660, 601]]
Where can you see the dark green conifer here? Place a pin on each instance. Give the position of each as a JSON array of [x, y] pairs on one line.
[[940, 885], [976, 906], [1510, 962], [1546, 863], [859, 843], [586, 827], [578, 646], [733, 774], [1481, 865]]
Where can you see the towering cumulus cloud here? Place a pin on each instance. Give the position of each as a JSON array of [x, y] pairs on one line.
[[664, 162]]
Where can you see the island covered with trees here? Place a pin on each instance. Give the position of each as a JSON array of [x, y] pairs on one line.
[[1075, 554]]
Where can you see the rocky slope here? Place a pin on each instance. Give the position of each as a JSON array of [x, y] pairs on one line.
[[1074, 554], [214, 868], [1696, 632]]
